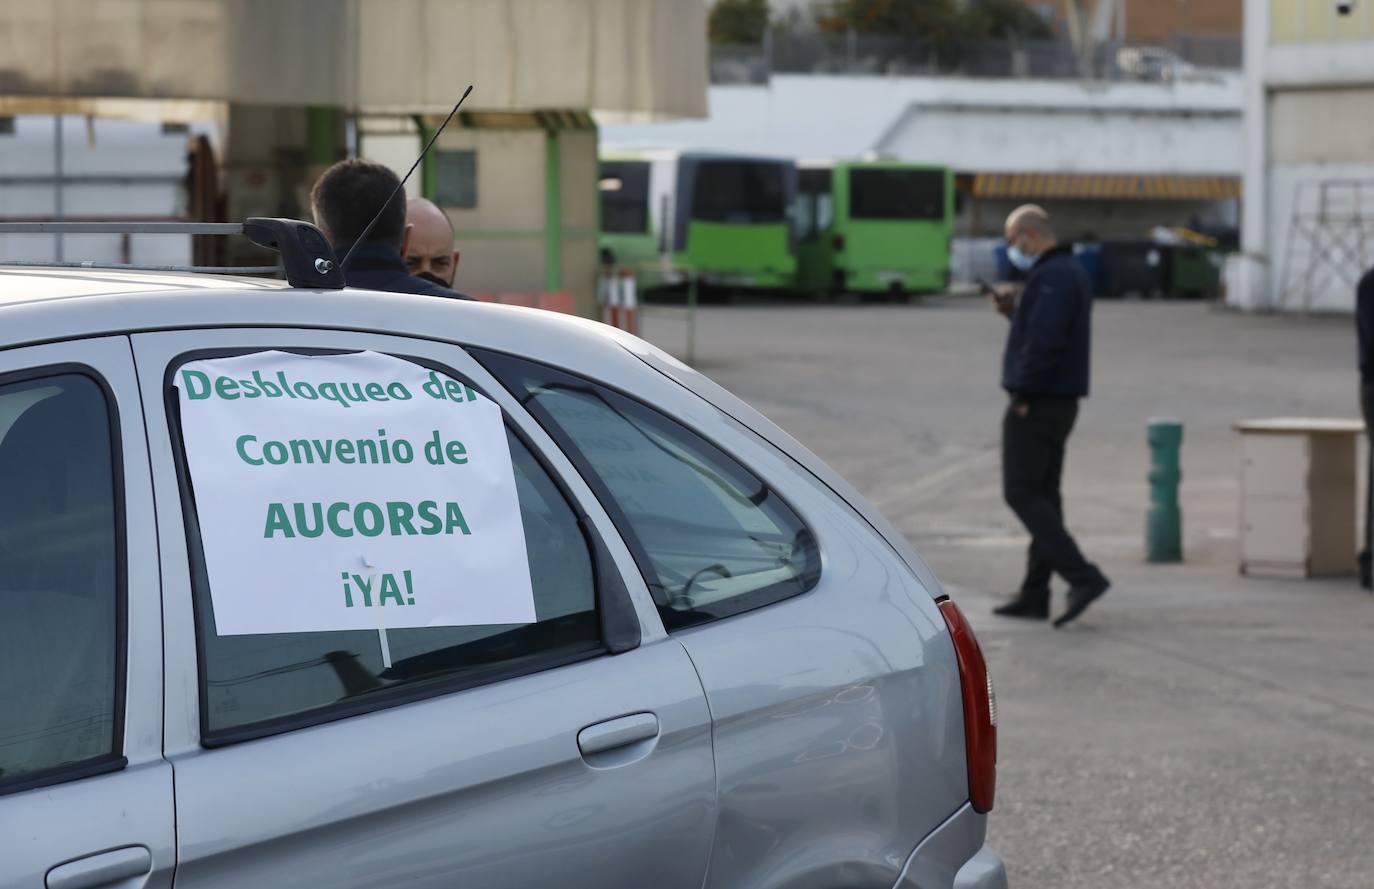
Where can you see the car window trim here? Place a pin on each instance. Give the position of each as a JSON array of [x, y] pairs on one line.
[[389, 698], [673, 620], [115, 760]]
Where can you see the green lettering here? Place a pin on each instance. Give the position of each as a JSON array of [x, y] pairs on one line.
[[226, 388], [345, 452], [365, 587], [457, 452], [400, 514], [300, 451], [277, 521], [429, 513], [455, 519], [433, 388], [332, 516], [303, 526], [369, 519], [376, 392], [190, 379], [390, 589], [243, 455]]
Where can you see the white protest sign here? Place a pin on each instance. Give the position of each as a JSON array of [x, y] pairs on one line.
[[351, 492]]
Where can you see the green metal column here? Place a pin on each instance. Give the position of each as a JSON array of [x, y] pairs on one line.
[[553, 214], [1164, 523], [323, 131], [428, 186]]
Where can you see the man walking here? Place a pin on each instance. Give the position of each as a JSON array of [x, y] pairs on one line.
[[344, 200], [1364, 325], [1045, 373]]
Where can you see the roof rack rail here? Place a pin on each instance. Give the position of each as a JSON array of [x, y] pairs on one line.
[[307, 259]]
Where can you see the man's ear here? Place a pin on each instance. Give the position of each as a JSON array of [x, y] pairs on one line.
[[405, 238], [453, 271]]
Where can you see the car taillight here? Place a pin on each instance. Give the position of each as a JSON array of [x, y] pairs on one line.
[[837, 242], [980, 709]]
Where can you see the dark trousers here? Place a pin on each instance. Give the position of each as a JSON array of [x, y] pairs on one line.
[[1032, 470], [1367, 405]]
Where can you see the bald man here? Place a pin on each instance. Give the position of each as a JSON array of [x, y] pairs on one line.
[[1045, 374], [429, 249]]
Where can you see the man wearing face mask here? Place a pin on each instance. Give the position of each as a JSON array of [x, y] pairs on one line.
[[1045, 374], [429, 251]]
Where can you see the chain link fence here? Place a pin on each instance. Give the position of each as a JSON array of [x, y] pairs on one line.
[[785, 51]]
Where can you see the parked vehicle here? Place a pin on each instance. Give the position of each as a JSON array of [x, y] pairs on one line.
[[879, 227], [725, 218], [734, 674]]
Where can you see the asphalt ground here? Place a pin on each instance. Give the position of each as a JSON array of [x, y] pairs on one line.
[[1195, 728]]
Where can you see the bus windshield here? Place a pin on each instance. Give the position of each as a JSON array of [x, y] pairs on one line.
[[896, 194], [740, 191]]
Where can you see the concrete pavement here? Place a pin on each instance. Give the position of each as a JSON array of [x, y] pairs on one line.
[[1195, 728]]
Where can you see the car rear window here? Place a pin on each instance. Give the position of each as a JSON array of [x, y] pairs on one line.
[[60, 578], [711, 538], [257, 681]]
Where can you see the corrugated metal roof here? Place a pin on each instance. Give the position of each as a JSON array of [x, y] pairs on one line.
[[1087, 186]]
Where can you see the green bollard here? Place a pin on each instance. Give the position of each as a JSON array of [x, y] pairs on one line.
[[1164, 523]]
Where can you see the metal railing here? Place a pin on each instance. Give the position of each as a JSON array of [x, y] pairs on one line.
[[791, 51]]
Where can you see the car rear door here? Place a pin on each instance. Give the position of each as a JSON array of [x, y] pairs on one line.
[[85, 795], [831, 677], [534, 756]]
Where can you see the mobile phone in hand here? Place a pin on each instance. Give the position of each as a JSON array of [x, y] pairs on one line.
[[986, 288]]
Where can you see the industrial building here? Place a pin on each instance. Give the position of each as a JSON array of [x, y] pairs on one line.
[[287, 88], [1308, 228]]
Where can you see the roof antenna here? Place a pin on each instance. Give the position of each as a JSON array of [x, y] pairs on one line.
[[402, 184]]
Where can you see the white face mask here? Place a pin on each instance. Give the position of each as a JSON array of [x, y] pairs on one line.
[[1022, 261]]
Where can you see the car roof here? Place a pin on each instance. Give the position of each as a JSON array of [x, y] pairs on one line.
[[23, 285], [39, 305]]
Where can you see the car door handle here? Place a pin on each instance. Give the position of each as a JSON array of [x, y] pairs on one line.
[[102, 869], [617, 733]]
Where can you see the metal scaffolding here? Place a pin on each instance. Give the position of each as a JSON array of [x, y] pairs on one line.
[[1330, 239]]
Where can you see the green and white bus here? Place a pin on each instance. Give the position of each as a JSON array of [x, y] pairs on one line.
[[880, 227], [727, 218]]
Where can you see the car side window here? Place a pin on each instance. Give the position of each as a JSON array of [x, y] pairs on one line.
[[263, 683], [711, 538], [60, 578]]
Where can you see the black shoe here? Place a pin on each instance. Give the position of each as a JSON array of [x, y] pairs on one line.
[[1080, 597], [1030, 607]]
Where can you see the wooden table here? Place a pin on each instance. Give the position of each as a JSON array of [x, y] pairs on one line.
[[1300, 498]]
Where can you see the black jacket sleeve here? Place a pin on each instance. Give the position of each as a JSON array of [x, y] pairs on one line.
[[1048, 332], [1364, 324]]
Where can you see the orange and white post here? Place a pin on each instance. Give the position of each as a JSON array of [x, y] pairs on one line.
[[629, 301], [610, 310]]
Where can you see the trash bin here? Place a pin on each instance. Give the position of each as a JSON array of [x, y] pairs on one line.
[[1194, 272], [1089, 256], [1132, 269]]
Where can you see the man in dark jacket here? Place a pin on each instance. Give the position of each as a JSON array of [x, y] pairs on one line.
[[1364, 325], [1045, 373], [344, 200]]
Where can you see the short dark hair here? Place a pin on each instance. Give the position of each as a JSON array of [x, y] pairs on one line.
[[347, 196]]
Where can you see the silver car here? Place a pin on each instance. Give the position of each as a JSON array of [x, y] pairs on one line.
[[739, 675]]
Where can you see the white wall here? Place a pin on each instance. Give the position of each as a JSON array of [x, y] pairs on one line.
[[1309, 118], [139, 169], [972, 124]]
